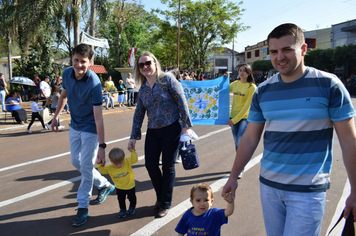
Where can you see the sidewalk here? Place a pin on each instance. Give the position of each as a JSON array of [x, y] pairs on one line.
[[12, 125]]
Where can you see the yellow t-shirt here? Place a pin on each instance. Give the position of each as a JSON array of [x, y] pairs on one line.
[[122, 177], [109, 85], [241, 101]]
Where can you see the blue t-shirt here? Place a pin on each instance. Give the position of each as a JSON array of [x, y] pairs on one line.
[[207, 224], [298, 139], [10, 107], [82, 96]]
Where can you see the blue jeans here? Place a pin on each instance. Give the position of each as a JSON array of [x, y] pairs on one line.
[[109, 100], [130, 97], [2, 97], [238, 130], [289, 213], [84, 149], [164, 140]]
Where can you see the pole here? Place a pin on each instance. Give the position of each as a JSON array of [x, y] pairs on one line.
[[233, 58], [178, 36]]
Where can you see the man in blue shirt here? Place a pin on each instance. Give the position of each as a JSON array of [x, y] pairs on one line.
[[82, 89], [299, 107]]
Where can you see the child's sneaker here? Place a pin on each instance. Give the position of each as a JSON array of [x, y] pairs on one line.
[[122, 213], [28, 131], [131, 210]]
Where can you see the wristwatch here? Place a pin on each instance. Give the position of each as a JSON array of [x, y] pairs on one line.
[[102, 145]]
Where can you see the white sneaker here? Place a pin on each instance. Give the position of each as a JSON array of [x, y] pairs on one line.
[[61, 127], [28, 131], [47, 126]]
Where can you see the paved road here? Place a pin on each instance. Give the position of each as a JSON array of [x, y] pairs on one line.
[[38, 185]]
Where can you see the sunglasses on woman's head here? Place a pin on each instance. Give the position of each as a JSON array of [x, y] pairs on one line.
[[147, 63]]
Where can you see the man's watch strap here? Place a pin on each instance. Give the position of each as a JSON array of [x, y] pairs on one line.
[[102, 145]]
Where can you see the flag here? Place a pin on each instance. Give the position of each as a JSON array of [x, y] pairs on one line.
[[208, 101], [87, 39]]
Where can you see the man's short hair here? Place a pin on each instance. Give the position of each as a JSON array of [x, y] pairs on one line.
[[287, 29], [85, 50]]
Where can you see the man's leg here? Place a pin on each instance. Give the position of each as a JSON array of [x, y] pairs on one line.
[[291, 213], [305, 213], [84, 147], [274, 210]]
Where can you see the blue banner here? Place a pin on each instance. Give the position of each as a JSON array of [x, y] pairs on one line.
[[208, 101]]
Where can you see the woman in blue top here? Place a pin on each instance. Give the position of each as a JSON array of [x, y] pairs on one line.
[[13, 102], [162, 97]]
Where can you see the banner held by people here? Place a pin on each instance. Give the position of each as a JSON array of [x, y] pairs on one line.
[[208, 101]]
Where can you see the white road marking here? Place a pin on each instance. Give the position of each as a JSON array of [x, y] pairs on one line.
[[38, 192], [53, 157], [66, 182], [176, 211], [340, 207]]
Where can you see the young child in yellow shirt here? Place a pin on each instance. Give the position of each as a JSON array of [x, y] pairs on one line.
[[122, 175]]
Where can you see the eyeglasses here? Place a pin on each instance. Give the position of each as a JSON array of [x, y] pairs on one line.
[[147, 63]]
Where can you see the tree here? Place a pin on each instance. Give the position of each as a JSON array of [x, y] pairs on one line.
[[204, 25], [262, 65], [321, 59], [345, 56], [8, 9], [121, 13]]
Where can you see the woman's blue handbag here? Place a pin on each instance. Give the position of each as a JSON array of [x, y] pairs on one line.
[[189, 156]]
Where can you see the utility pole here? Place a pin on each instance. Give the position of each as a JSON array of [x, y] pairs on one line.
[[233, 57], [178, 36]]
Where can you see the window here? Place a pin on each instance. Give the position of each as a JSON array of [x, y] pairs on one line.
[[248, 54], [257, 53], [221, 62]]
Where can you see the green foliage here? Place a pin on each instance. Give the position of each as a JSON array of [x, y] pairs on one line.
[[262, 65], [321, 59], [204, 24], [39, 60], [345, 55]]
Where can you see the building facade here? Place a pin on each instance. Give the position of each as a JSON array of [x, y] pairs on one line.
[[343, 33], [224, 59]]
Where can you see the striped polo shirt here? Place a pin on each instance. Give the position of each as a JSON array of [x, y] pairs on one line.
[[298, 138]]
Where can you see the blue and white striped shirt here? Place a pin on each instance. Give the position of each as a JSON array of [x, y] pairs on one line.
[[298, 135]]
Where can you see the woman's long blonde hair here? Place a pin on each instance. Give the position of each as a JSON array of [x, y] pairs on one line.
[[141, 79]]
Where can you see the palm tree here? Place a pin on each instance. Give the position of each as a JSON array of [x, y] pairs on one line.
[[8, 22]]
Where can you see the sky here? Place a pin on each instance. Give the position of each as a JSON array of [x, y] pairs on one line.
[[264, 15]]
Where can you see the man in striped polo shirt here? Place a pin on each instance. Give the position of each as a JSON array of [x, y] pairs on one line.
[[299, 107]]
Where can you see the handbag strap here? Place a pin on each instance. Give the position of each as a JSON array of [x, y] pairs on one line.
[[349, 225], [338, 221]]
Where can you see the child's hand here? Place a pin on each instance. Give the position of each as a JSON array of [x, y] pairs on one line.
[[228, 197]]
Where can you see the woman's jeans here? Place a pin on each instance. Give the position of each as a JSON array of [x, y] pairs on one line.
[[162, 141], [2, 97], [289, 213], [84, 149], [238, 130]]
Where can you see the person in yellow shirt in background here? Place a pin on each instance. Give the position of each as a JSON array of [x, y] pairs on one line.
[[122, 175], [109, 85], [243, 90]]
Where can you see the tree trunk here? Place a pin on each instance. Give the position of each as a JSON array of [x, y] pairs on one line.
[[8, 42], [118, 60], [92, 25], [76, 20]]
